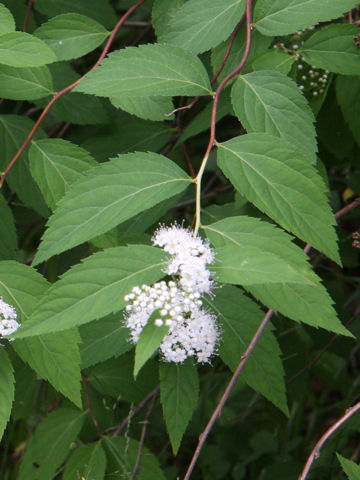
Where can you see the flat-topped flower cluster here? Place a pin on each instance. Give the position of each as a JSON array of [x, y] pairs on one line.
[[177, 303], [8, 316]]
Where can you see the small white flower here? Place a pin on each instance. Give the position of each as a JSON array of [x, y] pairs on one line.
[[8, 316]]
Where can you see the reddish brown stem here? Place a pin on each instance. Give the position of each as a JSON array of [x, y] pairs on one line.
[[27, 14], [88, 405], [316, 450], [68, 89]]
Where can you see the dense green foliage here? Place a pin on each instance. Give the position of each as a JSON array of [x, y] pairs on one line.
[[238, 119]]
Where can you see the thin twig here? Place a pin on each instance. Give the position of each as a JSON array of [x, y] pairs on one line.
[[68, 89], [316, 450], [142, 438], [27, 15], [88, 405]]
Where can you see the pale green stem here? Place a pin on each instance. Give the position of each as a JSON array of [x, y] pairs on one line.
[[197, 181]]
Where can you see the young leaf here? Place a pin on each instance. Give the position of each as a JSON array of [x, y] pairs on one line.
[[20, 49], [281, 17], [7, 23], [121, 456], [50, 444], [7, 381], [332, 48], [149, 340], [71, 35], [351, 469], [108, 195], [239, 317], [199, 26], [54, 357], [25, 83], [149, 108], [347, 92], [179, 391], [95, 288], [55, 164], [281, 183], [303, 302], [88, 461], [148, 70], [103, 339], [270, 102], [8, 243]]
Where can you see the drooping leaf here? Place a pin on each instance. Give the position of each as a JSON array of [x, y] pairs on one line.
[[71, 35], [149, 340], [13, 132], [351, 469], [88, 461], [25, 83], [199, 26], [148, 108], [122, 454], [239, 317], [20, 49], [7, 23], [50, 444], [56, 164], [303, 302], [95, 288], [7, 381], [347, 92], [332, 48], [54, 357], [179, 391], [281, 183], [270, 102], [8, 241], [108, 195], [281, 17], [99, 10], [103, 339], [115, 378], [147, 70]]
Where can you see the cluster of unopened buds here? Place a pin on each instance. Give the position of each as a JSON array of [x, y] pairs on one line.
[[177, 304], [8, 316]]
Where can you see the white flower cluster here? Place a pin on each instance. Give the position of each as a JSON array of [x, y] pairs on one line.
[[192, 331], [8, 316]]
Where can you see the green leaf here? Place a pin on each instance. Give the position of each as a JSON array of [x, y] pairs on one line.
[[179, 392], [19, 49], [71, 35], [147, 70], [108, 195], [115, 378], [88, 461], [13, 132], [122, 454], [303, 302], [239, 317], [50, 444], [25, 83], [55, 164], [149, 340], [351, 469], [8, 243], [162, 14], [103, 339], [199, 26], [347, 92], [270, 102], [250, 265], [281, 17], [149, 108], [274, 60], [7, 22], [26, 386], [99, 10], [281, 183], [54, 357], [95, 288], [332, 48], [7, 381]]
